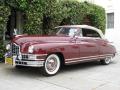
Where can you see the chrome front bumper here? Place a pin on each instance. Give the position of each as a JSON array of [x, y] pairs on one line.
[[32, 60], [27, 62]]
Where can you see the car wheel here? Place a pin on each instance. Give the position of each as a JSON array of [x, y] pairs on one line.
[[51, 65], [106, 61]]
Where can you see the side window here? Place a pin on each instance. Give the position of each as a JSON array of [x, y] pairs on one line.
[[72, 31], [90, 33]]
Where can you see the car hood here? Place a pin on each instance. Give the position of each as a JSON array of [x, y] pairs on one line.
[[21, 40]]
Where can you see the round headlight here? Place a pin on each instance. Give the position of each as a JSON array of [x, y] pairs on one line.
[[30, 49], [8, 47]]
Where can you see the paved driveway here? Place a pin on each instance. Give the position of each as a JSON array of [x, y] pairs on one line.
[[87, 76]]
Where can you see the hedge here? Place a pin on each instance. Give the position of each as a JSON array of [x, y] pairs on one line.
[[4, 13], [43, 19], [43, 15]]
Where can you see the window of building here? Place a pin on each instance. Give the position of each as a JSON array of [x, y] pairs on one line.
[[110, 20]]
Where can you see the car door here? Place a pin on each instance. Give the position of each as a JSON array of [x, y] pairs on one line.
[[71, 48], [88, 46], [105, 48]]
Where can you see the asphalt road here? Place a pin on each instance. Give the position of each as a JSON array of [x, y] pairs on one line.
[[86, 76]]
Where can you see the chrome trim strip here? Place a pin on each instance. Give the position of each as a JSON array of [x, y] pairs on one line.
[[90, 59], [33, 60], [81, 58], [35, 54], [90, 56], [87, 58], [105, 54]]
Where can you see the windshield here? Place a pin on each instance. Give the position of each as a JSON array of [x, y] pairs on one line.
[[67, 31]]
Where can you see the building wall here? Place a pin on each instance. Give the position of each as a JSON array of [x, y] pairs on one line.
[[117, 23]]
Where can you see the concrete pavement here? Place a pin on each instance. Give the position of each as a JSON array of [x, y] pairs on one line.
[[86, 76]]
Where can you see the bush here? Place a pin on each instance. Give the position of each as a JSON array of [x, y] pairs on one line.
[[43, 15], [50, 14], [34, 17], [4, 13], [2, 51]]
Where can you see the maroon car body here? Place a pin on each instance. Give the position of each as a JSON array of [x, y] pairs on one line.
[[71, 44]]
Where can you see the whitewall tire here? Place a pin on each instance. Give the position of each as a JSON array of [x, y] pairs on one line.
[[106, 61], [51, 65]]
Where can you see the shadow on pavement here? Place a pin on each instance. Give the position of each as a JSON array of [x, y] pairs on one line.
[[35, 72]]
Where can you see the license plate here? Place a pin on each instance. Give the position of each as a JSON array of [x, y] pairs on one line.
[[9, 60]]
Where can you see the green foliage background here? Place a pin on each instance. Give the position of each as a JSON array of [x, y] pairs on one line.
[[4, 13], [43, 15], [72, 12]]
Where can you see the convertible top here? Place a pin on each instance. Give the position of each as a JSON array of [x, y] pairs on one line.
[[85, 26]]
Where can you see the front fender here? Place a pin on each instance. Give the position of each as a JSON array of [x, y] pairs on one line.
[[48, 48]]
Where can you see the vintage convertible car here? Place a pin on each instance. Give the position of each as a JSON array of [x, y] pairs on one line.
[[72, 44]]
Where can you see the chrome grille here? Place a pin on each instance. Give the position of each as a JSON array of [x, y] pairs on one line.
[[15, 49], [24, 57]]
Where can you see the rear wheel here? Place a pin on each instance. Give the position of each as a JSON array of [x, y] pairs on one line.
[[51, 65], [106, 61]]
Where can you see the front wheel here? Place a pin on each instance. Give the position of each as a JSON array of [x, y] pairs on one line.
[[51, 65], [106, 61]]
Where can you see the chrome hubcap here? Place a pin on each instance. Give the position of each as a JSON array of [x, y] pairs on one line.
[[107, 60], [51, 64]]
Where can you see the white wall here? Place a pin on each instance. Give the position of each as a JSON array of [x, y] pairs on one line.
[[117, 23]]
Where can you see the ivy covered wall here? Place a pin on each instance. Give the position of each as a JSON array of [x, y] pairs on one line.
[[51, 14], [43, 15]]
